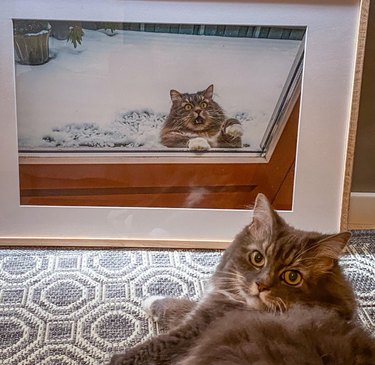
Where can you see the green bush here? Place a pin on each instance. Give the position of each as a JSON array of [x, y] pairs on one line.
[[75, 34]]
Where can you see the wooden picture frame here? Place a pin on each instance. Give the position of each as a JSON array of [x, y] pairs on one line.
[[327, 80], [345, 223]]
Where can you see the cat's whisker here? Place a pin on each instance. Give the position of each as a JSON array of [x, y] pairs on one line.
[[278, 307], [273, 308], [230, 274], [227, 277], [229, 296], [229, 284], [268, 305], [283, 303], [234, 271], [228, 280], [277, 304], [230, 287], [281, 310], [231, 278]]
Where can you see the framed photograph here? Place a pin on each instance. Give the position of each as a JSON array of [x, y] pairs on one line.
[[124, 123], [157, 124]]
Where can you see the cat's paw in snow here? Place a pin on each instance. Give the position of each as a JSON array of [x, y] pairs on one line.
[[198, 144], [234, 130]]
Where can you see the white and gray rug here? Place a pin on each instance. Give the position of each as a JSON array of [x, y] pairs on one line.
[[77, 307]]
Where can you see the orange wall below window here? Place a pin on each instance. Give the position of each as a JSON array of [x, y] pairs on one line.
[[216, 186]]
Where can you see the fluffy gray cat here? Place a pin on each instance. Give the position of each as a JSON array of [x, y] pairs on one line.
[[278, 297], [198, 123]]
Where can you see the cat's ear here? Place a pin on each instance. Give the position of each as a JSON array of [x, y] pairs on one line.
[[209, 92], [263, 221], [329, 249], [175, 95]]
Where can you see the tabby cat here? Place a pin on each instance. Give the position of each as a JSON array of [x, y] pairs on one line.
[[277, 297], [198, 123]]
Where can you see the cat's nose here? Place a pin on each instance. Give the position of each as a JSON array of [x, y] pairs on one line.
[[261, 286]]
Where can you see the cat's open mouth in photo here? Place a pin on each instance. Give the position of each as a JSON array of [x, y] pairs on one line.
[[199, 120]]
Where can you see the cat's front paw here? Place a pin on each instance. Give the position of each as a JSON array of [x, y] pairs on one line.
[[117, 360], [234, 130], [198, 144], [152, 306], [131, 357]]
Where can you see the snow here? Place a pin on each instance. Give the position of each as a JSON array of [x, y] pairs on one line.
[[114, 91], [36, 34]]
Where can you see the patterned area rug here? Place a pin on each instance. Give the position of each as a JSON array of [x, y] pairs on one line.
[[77, 307]]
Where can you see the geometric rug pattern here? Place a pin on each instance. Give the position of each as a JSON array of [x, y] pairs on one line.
[[78, 307], [359, 266]]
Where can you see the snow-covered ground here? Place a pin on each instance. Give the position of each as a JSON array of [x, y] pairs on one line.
[[114, 91]]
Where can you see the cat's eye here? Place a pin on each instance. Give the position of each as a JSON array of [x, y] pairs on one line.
[[292, 277], [256, 259], [203, 105], [188, 107]]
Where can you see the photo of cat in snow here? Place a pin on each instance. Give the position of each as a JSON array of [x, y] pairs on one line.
[[163, 94], [197, 122], [128, 74]]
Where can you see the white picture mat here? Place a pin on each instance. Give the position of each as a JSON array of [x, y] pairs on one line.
[[324, 120]]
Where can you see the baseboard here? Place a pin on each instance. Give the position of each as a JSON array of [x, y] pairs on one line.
[[109, 243], [362, 211]]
